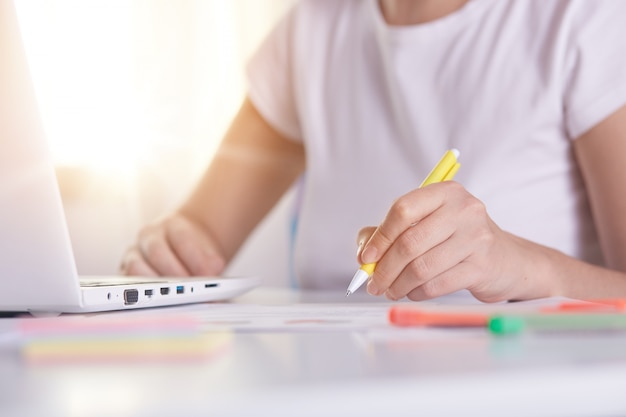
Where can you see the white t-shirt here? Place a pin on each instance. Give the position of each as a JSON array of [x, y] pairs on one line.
[[508, 83]]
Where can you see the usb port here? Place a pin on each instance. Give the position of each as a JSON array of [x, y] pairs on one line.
[[165, 290], [180, 289]]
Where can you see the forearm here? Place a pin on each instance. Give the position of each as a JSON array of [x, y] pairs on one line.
[[599, 152], [545, 272], [252, 169]]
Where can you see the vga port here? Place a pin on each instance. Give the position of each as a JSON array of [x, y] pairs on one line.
[[131, 297]]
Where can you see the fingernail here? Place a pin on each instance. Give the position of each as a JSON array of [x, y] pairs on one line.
[[369, 254], [390, 296], [358, 249]]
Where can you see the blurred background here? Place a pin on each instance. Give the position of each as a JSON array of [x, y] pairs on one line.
[[135, 96]]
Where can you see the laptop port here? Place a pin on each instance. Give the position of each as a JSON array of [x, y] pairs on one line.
[[131, 296], [210, 285], [180, 289], [165, 290], [148, 293]]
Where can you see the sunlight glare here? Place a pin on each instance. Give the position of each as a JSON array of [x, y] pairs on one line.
[[82, 68]]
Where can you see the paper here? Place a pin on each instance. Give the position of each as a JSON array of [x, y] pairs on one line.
[[319, 316], [295, 317]]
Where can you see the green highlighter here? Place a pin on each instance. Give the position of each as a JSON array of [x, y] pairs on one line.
[[556, 322]]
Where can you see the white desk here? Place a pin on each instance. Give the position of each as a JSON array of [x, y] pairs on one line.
[[375, 371]]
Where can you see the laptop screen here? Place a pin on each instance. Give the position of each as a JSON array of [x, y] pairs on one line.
[[36, 261]]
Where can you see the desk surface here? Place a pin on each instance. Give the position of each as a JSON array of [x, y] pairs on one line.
[[342, 369]]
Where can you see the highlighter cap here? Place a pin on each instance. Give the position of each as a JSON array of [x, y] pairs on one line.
[[506, 324], [404, 316]]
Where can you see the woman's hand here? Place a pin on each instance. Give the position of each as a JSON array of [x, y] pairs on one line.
[[439, 239], [174, 246], [251, 170]]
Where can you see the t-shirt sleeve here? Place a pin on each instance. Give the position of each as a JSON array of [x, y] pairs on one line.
[[596, 85], [270, 76]]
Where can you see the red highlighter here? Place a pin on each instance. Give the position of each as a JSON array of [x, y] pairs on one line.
[[601, 305], [410, 316]]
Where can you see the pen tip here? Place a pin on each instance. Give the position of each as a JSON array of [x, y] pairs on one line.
[[348, 293]]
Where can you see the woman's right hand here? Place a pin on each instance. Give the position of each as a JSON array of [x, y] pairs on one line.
[[251, 170], [177, 246]]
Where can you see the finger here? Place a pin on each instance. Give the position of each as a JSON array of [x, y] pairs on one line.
[[195, 249], [134, 264], [404, 213], [413, 246], [428, 267], [159, 255], [455, 279]]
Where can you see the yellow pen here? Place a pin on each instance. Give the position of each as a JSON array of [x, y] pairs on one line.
[[443, 171]]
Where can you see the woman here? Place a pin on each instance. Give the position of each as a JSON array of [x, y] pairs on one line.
[[368, 94]]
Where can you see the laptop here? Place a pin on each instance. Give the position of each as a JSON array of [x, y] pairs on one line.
[[37, 269]]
